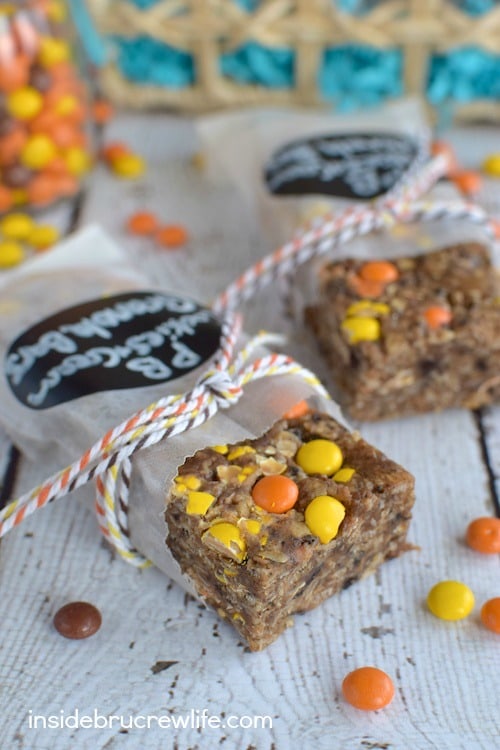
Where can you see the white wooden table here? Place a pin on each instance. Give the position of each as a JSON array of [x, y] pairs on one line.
[[447, 675]]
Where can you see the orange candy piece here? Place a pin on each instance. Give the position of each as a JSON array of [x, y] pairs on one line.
[[365, 288], [102, 111], [171, 236], [297, 410], [368, 688], [6, 198], [379, 271], [41, 190], [14, 75], [275, 493], [490, 614], [437, 316], [11, 145], [142, 223], [468, 182], [114, 150], [441, 147], [483, 535]]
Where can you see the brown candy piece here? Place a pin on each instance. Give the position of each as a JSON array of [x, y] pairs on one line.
[[17, 176], [7, 124], [77, 620], [40, 79]]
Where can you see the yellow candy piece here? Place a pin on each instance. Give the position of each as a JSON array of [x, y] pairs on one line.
[[319, 457], [77, 160], [56, 11], [128, 166], [369, 307], [227, 539], [361, 329], [198, 503], [53, 51], [450, 600], [491, 165], [16, 226], [252, 526], [222, 449], [66, 105], [25, 103], [11, 254], [241, 450], [19, 196], [43, 236], [323, 517], [191, 482], [344, 475], [38, 151]]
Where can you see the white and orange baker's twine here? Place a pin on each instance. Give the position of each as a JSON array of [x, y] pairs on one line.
[[333, 230], [108, 461]]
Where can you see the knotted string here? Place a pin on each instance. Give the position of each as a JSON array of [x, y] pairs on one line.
[[109, 461]]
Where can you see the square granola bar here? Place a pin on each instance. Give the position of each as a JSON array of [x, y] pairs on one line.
[[412, 335], [270, 527]]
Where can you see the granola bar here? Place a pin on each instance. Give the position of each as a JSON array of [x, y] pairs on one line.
[[271, 527], [411, 335]]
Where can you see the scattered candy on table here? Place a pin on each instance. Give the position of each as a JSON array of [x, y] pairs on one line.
[[490, 614], [467, 181], [146, 223], [122, 160], [450, 600], [129, 166], [483, 535], [142, 223], [77, 620], [368, 688], [491, 165], [171, 236]]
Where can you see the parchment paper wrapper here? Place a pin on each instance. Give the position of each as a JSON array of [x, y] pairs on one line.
[[88, 267], [237, 146], [400, 241]]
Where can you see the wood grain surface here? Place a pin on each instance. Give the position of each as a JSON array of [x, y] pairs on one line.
[[160, 653]]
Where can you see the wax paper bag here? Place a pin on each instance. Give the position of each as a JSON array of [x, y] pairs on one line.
[[86, 341]]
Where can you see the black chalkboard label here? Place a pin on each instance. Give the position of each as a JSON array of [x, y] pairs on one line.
[[126, 341], [359, 166]]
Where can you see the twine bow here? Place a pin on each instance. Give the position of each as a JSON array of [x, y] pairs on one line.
[[109, 461]]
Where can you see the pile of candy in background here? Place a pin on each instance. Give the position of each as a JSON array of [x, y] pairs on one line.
[[48, 121]]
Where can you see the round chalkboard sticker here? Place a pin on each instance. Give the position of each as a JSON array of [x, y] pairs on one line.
[[126, 341], [358, 166]]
